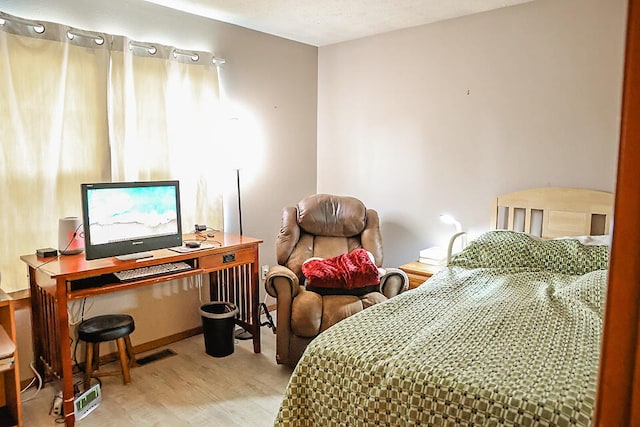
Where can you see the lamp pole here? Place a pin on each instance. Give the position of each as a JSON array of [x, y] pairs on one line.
[[239, 202], [241, 333]]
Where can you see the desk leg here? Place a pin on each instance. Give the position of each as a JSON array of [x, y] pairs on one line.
[[37, 322], [66, 365], [51, 348], [255, 302]]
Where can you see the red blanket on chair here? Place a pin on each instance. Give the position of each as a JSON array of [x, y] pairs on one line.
[[346, 271]]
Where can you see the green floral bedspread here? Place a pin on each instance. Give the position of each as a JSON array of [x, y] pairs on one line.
[[509, 335]]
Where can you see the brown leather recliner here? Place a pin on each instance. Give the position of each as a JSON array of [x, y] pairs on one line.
[[324, 226]]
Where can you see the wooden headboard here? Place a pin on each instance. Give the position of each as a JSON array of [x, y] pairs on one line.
[[554, 212]]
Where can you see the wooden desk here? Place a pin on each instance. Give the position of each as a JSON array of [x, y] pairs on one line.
[[233, 276]]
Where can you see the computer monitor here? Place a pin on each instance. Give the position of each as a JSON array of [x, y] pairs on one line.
[[129, 219]]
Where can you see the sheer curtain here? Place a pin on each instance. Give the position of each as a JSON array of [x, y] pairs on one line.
[[53, 126], [164, 109], [89, 109]]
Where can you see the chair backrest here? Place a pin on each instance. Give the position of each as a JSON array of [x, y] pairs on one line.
[[325, 225]]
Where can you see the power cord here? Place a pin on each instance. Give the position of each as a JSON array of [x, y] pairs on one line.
[[269, 322], [75, 322], [202, 233], [198, 284], [38, 377]]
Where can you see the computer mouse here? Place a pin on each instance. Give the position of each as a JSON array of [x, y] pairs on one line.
[[192, 244]]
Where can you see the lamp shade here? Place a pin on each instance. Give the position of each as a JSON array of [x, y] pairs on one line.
[[449, 219]]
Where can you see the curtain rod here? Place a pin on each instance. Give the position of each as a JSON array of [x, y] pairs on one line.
[[152, 49], [99, 40], [194, 56], [37, 27], [74, 32]]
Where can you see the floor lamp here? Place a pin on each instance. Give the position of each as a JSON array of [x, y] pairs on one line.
[[237, 134], [241, 333], [239, 201]]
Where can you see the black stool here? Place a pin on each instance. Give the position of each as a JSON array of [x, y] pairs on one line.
[[99, 329]]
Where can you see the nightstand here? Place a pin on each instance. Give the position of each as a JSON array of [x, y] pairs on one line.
[[418, 272]]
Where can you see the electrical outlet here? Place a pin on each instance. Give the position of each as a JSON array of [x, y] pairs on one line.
[[265, 270]]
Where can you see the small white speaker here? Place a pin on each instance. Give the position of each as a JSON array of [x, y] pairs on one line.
[[70, 235]]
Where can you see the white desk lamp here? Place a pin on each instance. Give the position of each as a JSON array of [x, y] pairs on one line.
[[448, 219]]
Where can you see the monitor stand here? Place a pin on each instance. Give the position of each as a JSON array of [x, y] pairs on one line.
[[134, 256]]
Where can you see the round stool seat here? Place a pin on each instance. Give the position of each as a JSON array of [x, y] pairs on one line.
[[105, 328]]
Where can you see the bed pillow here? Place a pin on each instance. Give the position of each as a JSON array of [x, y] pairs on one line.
[[510, 249], [604, 240], [353, 273]]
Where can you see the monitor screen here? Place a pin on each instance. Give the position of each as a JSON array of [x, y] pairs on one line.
[[129, 218]]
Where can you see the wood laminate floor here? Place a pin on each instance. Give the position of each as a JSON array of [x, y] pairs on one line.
[[188, 389]]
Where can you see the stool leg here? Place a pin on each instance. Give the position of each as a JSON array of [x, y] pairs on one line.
[[96, 356], [132, 355], [124, 363], [88, 365]]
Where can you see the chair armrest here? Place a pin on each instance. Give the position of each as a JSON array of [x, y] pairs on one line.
[[281, 281], [393, 282], [282, 284]]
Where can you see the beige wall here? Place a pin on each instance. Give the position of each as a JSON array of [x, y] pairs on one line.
[[272, 80], [443, 117]]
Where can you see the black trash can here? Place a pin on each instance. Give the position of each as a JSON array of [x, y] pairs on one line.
[[218, 324]]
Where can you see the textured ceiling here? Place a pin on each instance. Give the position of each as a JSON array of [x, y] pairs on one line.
[[324, 22]]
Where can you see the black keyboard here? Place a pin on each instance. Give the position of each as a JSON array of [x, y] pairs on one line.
[[152, 271]]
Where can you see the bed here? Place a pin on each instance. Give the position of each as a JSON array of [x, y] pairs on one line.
[[508, 334]]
